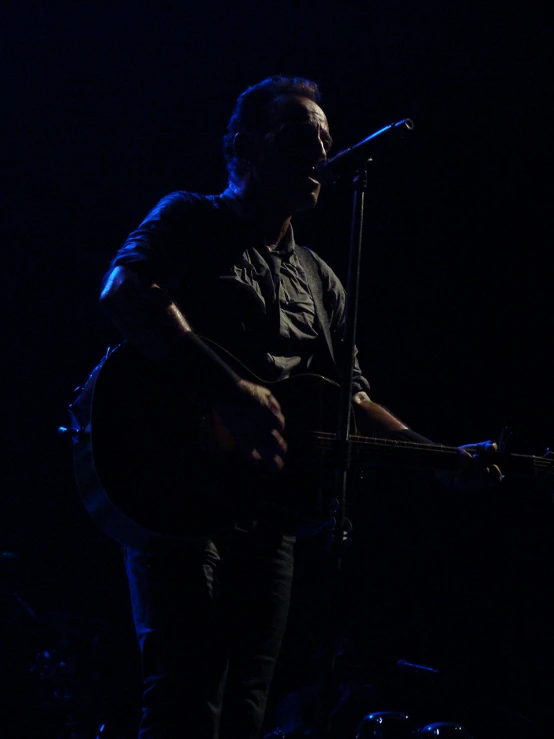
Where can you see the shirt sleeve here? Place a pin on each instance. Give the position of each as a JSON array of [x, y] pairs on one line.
[[158, 247], [334, 301]]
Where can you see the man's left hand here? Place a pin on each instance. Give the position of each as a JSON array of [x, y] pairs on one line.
[[474, 468]]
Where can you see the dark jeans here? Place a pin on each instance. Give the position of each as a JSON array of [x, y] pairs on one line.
[[210, 621]]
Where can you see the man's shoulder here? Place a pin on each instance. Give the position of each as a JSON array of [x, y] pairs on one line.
[[185, 202]]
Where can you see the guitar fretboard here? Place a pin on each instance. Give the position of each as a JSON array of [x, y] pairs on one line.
[[366, 450]]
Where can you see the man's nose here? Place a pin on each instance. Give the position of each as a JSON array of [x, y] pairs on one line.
[[322, 148], [319, 147]]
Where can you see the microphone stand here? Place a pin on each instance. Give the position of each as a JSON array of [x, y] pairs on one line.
[[353, 161]]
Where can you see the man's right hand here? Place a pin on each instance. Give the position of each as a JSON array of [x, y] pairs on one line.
[[253, 417]]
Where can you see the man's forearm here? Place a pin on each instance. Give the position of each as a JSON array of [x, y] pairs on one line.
[[147, 316], [144, 314], [379, 420]]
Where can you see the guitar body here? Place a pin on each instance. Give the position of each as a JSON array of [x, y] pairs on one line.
[[154, 466]]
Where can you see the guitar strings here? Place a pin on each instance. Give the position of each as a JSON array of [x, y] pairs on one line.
[[328, 439], [543, 463]]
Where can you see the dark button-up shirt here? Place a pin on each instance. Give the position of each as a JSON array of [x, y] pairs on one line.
[[256, 302]]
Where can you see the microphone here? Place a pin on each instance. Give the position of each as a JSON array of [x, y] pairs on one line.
[[329, 170]]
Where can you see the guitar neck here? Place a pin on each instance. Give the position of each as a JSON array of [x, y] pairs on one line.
[[369, 451], [409, 454]]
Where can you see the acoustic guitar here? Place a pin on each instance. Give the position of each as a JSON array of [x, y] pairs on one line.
[[154, 466]]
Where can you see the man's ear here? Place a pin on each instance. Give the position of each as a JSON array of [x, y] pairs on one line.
[[243, 147]]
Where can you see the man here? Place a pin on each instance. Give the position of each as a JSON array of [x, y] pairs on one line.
[[210, 619]]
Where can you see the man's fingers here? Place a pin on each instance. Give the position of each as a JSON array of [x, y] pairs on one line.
[[276, 410], [270, 453], [281, 420], [494, 474], [281, 443], [274, 461], [274, 450], [277, 463], [480, 446], [273, 403], [255, 421]]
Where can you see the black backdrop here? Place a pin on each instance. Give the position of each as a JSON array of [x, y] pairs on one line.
[[104, 111]]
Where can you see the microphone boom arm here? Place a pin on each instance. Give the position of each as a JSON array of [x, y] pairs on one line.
[[330, 170]]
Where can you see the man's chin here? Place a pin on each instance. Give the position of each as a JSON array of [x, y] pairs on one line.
[[306, 201], [293, 199]]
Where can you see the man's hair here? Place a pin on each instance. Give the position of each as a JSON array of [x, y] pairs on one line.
[[254, 108]]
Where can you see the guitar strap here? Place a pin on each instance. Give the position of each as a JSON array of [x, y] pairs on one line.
[[311, 269]]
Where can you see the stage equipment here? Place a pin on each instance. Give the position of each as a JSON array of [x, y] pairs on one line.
[[352, 165], [383, 725]]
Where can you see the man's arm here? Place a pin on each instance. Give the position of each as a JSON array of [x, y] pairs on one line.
[[144, 313], [472, 473], [380, 422], [147, 316]]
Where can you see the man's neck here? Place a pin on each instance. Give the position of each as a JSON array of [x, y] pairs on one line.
[[274, 230], [273, 221]]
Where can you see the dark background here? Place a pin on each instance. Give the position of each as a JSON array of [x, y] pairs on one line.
[[104, 111]]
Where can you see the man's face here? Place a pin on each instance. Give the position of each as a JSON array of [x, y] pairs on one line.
[[284, 159]]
